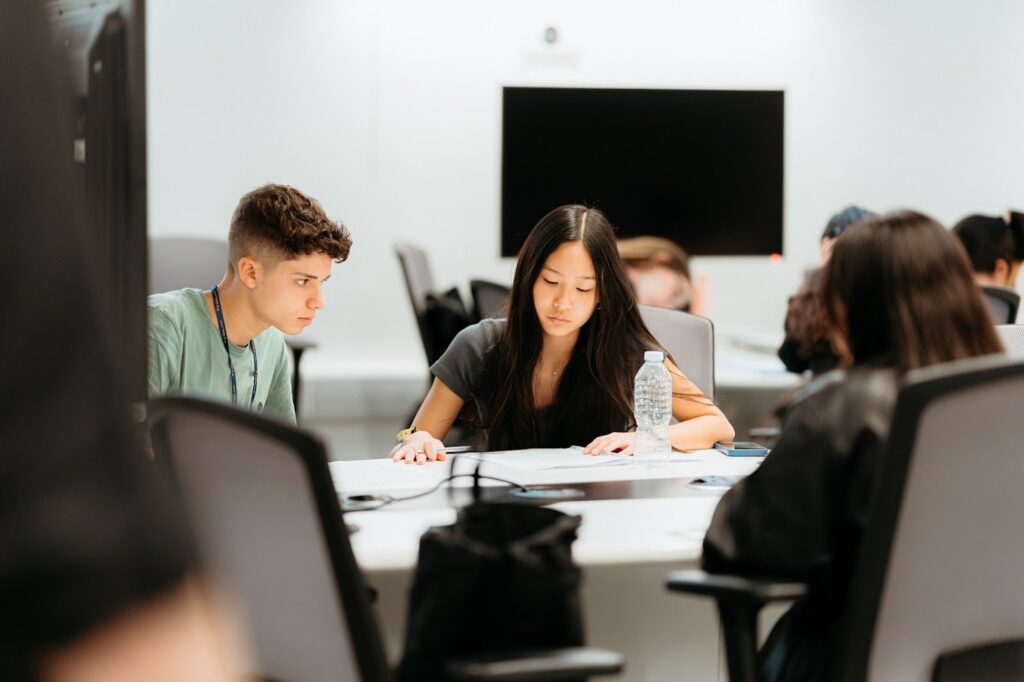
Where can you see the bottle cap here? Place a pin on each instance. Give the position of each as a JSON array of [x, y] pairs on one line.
[[654, 356]]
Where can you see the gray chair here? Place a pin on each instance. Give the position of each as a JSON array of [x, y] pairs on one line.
[[690, 339], [1012, 336], [937, 591], [1002, 303], [271, 540], [180, 262], [418, 283]]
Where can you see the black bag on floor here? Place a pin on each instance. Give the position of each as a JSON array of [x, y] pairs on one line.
[[499, 580]]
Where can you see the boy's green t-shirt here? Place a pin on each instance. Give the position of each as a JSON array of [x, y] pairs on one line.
[[186, 355]]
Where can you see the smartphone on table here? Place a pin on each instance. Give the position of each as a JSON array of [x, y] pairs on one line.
[[742, 448]]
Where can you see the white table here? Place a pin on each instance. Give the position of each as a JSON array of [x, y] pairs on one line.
[[625, 547]]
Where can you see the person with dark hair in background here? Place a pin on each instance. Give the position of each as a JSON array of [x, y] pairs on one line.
[[806, 346], [659, 270], [559, 371], [95, 579], [898, 295], [226, 343], [995, 246]]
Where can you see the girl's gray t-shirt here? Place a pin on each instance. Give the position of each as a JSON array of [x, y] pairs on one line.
[[461, 366]]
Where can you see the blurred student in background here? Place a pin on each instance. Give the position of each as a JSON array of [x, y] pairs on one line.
[[897, 295], [659, 270], [995, 246], [806, 346]]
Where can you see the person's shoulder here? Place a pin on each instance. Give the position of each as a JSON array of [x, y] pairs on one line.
[[855, 384], [482, 334], [847, 400], [176, 304], [179, 309]]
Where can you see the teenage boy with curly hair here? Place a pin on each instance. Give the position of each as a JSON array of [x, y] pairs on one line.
[[226, 343]]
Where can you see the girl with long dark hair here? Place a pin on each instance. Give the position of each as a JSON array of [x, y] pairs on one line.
[[559, 371], [898, 295]]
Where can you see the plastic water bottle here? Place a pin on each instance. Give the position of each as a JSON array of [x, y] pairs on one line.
[[652, 409]]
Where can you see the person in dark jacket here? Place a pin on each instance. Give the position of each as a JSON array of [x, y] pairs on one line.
[[898, 295]]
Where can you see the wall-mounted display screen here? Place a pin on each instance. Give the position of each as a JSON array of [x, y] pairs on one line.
[[701, 167]]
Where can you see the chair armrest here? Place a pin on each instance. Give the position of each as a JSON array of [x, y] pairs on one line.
[[738, 599], [548, 664], [734, 587]]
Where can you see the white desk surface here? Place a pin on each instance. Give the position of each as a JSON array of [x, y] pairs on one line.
[[614, 531], [743, 364]]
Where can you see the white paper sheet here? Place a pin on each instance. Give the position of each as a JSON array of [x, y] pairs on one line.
[[541, 459], [369, 475]]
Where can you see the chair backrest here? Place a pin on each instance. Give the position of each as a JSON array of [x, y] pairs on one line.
[[490, 299], [1012, 336], [1002, 303], [942, 554], [418, 279], [180, 262], [690, 339], [270, 538], [418, 282]]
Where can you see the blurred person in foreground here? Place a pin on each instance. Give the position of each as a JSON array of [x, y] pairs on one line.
[[94, 555]]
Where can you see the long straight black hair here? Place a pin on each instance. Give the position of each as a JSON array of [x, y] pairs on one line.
[[595, 394]]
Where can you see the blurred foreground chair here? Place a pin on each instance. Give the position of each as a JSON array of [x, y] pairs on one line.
[[271, 539], [937, 590], [1012, 336]]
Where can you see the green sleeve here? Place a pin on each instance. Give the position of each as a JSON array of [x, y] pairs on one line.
[[164, 354], [279, 397]]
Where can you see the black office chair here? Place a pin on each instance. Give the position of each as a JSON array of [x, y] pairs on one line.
[[937, 593], [490, 299], [180, 262], [270, 538], [1002, 303]]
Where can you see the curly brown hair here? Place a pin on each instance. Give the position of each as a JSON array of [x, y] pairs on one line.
[[278, 222]]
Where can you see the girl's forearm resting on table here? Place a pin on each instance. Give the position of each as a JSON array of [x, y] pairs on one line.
[[702, 432]]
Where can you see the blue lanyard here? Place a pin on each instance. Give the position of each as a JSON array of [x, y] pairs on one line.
[[227, 349]]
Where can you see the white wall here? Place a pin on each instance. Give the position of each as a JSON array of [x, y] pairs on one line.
[[389, 113]]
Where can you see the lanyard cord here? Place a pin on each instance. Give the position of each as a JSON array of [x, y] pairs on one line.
[[227, 349]]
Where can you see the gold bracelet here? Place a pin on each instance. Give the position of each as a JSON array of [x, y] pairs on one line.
[[405, 433]]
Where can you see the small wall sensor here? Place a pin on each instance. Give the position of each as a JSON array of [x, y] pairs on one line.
[[551, 35]]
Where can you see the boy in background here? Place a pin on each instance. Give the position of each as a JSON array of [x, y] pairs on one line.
[[226, 343]]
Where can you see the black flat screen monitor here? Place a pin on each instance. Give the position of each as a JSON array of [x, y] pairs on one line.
[[703, 168]]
